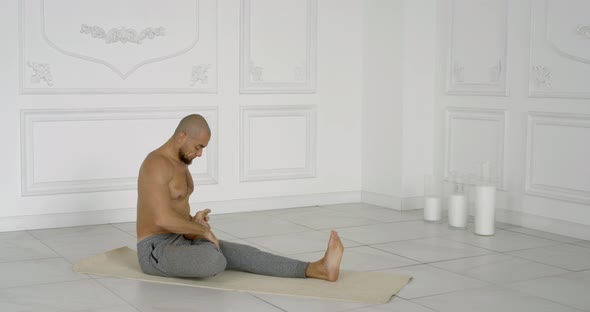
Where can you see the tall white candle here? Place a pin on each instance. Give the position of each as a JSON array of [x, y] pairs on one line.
[[432, 209], [485, 215], [457, 211]]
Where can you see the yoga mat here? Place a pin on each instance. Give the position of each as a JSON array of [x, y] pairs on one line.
[[368, 287]]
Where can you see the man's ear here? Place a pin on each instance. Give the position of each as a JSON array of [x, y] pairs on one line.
[[181, 137]]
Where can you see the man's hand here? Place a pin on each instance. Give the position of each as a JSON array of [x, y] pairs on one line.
[[202, 215]]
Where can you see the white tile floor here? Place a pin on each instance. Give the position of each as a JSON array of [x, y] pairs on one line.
[[517, 269]]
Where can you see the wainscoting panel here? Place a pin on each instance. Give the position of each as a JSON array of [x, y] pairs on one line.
[[478, 48], [278, 46], [109, 46], [560, 49], [473, 136], [278, 143], [557, 156], [76, 151]]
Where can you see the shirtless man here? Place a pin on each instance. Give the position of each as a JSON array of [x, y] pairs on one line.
[[171, 242]]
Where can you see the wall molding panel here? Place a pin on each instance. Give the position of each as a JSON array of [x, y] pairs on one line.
[[257, 122], [279, 64], [95, 49], [538, 183], [44, 173], [472, 136], [559, 49], [474, 68]]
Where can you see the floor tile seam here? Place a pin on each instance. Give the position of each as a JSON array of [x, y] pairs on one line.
[[497, 283], [403, 240], [57, 256], [97, 281], [555, 240], [537, 261], [340, 227], [576, 245], [421, 305], [501, 251], [267, 302], [102, 225], [266, 215], [441, 237], [389, 252], [455, 259], [452, 291], [380, 223], [87, 236], [307, 229], [279, 234], [120, 229], [282, 234], [19, 239], [303, 225], [543, 298], [86, 278]]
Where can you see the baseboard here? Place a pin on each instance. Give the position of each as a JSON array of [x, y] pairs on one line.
[[382, 200], [57, 220], [545, 224], [279, 202], [46, 221]]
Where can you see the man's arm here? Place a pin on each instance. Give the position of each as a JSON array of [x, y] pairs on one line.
[[156, 174]]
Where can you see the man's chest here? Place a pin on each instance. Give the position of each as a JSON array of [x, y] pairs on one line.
[[181, 185]]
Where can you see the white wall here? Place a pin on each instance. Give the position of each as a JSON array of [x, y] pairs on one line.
[[382, 95], [286, 124], [449, 84], [398, 101], [512, 87], [355, 99]]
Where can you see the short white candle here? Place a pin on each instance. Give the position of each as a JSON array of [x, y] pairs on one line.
[[457, 211], [432, 209]]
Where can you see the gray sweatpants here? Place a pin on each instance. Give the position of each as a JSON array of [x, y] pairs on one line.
[[173, 255]]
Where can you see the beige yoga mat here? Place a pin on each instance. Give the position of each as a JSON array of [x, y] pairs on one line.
[[369, 287]]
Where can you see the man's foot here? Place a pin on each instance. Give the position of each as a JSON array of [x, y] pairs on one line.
[[328, 267]]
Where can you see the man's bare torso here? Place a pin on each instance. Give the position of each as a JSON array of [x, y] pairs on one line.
[[180, 187]]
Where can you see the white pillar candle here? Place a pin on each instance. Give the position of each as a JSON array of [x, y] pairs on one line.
[[457, 211], [432, 209], [485, 215]]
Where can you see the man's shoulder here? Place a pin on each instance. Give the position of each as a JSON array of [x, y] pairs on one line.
[[156, 164]]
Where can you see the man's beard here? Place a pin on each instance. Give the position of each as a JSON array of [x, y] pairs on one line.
[[183, 158]]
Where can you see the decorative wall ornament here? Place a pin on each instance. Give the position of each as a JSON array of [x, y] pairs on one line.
[[199, 74], [542, 77], [584, 31], [496, 72], [122, 34], [299, 73], [458, 75], [41, 71], [255, 72]]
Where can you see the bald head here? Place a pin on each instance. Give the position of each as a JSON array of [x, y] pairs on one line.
[[192, 125]]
